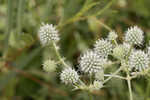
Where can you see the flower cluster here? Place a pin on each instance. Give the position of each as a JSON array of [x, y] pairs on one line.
[[93, 62]]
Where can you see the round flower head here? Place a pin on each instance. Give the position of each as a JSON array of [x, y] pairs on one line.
[[48, 33], [103, 47], [69, 76], [49, 65], [112, 35], [134, 35], [91, 63], [138, 60]]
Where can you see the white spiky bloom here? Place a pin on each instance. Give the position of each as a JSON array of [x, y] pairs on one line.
[[49, 65], [90, 62], [134, 35], [103, 47], [112, 35], [138, 60], [48, 33], [69, 76]]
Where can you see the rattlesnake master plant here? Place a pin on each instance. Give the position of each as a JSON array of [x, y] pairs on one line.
[[93, 62]]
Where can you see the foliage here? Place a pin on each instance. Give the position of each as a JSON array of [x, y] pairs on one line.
[[80, 22]]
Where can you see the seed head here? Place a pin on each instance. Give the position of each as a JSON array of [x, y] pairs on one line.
[[103, 47], [138, 60], [69, 76], [90, 62], [48, 33], [134, 35]]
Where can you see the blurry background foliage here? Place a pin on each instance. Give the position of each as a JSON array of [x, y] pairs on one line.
[[80, 23]]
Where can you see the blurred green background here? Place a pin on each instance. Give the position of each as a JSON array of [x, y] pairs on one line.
[[80, 23]]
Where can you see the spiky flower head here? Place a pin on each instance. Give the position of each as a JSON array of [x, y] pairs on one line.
[[48, 33], [112, 35], [69, 76], [90, 62], [49, 65], [134, 35], [138, 60], [103, 47]]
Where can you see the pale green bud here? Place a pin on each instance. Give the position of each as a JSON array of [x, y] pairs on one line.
[[118, 52], [49, 65]]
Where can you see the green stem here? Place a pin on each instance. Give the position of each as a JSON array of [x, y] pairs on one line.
[[116, 72], [58, 55], [115, 76], [129, 86], [91, 97]]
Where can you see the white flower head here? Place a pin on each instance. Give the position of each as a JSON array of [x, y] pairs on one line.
[[103, 47], [134, 35], [48, 33], [69, 76], [112, 35], [90, 62], [138, 60]]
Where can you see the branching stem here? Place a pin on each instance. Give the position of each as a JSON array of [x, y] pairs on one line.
[[58, 55]]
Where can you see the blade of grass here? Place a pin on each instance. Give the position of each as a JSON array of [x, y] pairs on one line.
[[9, 23], [25, 61], [20, 15]]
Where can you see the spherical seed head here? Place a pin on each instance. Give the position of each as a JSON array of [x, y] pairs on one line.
[[134, 35], [69, 76], [48, 33], [118, 52], [112, 35], [49, 66], [138, 60], [103, 47], [90, 62]]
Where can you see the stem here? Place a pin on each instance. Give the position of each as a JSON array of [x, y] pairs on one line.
[[129, 86], [116, 72], [115, 42], [58, 55], [91, 97], [115, 76], [20, 15]]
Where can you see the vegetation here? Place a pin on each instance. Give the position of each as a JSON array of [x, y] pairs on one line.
[[80, 23]]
